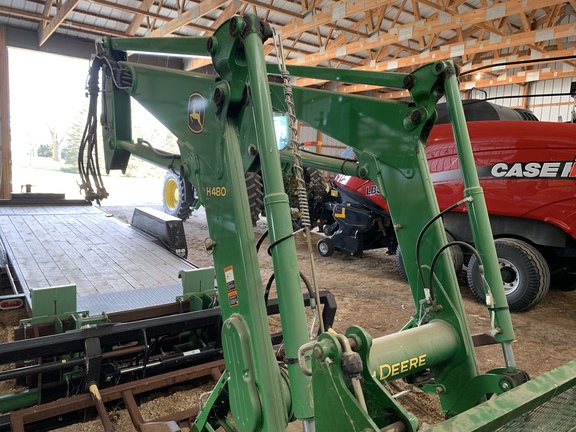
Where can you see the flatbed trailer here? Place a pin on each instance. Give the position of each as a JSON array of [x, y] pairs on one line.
[[113, 265]]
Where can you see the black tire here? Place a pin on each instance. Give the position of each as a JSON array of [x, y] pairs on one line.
[[255, 196], [316, 187], [325, 247], [457, 258], [525, 274], [400, 264], [177, 196], [457, 255], [564, 280]]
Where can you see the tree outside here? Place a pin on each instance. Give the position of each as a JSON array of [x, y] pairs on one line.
[[72, 142], [57, 140], [43, 150]]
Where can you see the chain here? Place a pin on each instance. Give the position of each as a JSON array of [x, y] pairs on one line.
[[302, 191]]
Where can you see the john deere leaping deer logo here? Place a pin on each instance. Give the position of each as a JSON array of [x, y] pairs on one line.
[[196, 111]]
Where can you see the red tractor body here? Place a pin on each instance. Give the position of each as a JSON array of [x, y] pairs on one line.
[[527, 170]]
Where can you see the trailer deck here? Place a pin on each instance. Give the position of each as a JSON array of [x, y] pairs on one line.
[[111, 263]]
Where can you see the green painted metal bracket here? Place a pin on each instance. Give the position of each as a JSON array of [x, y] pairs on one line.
[[216, 408], [383, 408], [58, 305], [479, 389], [245, 400], [53, 300], [482, 387], [335, 406], [199, 280]]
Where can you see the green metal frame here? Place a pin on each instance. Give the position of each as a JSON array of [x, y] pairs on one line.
[[225, 128]]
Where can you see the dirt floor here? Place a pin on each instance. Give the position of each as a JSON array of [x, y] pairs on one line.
[[370, 293]]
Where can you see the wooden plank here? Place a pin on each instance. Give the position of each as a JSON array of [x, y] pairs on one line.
[[44, 251], [93, 268], [135, 249], [24, 257], [139, 243], [135, 253], [120, 277], [67, 261]]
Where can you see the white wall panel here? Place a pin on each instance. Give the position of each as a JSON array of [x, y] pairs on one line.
[[551, 108], [330, 146], [306, 133]]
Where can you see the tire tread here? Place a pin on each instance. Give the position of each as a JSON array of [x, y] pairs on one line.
[[529, 254]]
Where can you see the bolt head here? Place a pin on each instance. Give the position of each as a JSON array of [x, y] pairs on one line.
[[416, 116], [408, 81]]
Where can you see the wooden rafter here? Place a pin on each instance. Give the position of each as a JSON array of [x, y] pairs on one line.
[[520, 79], [195, 12], [448, 52], [61, 14], [367, 34], [149, 14], [138, 18], [495, 64], [468, 18], [46, 13], [338, 10]]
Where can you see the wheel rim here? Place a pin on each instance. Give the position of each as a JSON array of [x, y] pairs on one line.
[[323, 247], [171, 194], [509, 274]]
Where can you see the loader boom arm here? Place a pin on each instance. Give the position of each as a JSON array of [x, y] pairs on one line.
[[225, 128]]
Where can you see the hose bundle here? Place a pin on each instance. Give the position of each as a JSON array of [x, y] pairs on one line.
[[88, 165]]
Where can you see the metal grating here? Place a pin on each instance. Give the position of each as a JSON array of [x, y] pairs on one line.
[[558, 415], [121, 301]]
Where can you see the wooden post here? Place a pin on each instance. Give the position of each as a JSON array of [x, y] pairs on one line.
[[5, 149], [525, 91]]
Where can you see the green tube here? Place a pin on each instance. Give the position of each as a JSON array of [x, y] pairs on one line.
[[164, 45], [143, 151], [409, 351], [385, 79], [325, 163], [478, 213], [284, 257]]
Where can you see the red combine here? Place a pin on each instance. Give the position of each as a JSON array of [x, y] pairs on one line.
[[528, 172]]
